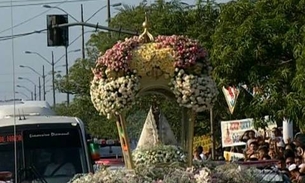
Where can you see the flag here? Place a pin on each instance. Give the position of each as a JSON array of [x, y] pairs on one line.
[[231, 94]]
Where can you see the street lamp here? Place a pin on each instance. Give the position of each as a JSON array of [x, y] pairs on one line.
[[52, 63], [35, 94], [108, 11], [19, 86], [22, 94], [43, 80], [55, 7]]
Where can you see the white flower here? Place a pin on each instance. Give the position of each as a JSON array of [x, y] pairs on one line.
[[110, 96], [196, 92]]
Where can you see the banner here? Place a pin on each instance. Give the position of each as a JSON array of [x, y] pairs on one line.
[[231, 94], [231, 131]]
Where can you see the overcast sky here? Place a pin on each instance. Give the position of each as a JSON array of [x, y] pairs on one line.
[[28, 18]]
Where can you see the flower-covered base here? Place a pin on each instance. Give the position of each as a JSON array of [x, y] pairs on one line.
[[159, 155], [204, 172], [149, 174]]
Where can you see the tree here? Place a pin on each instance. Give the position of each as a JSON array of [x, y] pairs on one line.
[[257, 43]]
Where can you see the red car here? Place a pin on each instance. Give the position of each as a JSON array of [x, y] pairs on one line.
[[110, 153]]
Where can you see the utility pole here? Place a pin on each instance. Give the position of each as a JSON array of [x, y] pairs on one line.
[[67, 75], [35, 93], [53, 80], [39, 87], [83, 31], [108, 12], [212, 133], [44, 83]]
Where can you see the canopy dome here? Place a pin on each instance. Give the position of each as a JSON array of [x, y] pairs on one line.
[[175, 63]]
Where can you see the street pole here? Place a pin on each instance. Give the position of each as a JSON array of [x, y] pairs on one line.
[[67, 75], [35, 94], [39, 87], [212, 134], [108, 12], [44, 83], [83, 32], [53, 80], [32, 98]]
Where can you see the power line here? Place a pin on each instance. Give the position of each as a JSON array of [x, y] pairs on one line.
[[30, 19], [42, 13], [42, 3], [3, 38], [22, 1]]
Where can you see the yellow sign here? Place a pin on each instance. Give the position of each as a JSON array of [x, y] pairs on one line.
[[232, 156], [204, 141]]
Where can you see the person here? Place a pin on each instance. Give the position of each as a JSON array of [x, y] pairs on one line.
[[196, 155], [59, 166], [251, 150], [295, 174], [201, 154]]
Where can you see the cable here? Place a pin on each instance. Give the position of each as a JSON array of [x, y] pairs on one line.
[[3, 38], [36, 4], [14, 95], [21, 35], [22, 1], [30, 19]]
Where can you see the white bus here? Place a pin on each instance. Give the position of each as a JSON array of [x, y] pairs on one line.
[[50, 149]]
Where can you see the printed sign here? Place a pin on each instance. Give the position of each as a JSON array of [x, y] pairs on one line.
[[231, 94], [10, 138], [231, 131]]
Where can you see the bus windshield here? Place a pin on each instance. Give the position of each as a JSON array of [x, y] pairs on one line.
[[44, 154]]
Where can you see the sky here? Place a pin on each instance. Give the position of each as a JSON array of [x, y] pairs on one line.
[[29, 18]]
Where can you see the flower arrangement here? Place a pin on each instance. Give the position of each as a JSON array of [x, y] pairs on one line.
[[177, 58], [192, 91], [172, 173], [148, 174], [111, 95], [158, 155]]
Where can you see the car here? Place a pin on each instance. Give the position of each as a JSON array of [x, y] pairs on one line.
[[111, 154]]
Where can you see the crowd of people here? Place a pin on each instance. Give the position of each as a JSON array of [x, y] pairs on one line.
[[288, 155]]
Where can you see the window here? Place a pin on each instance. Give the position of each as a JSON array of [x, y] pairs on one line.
[[44, 154]]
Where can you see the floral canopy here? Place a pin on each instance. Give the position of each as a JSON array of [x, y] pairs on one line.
[[175, 63]]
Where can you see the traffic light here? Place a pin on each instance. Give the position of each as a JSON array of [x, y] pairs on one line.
[[58, 36]]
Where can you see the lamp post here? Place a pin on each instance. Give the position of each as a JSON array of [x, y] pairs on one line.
[[52, 63], [31, 92], [43, 76], [21, 93], [67, 70], [35, 94]]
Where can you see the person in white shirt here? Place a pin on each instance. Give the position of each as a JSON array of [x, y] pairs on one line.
[[59, 167]]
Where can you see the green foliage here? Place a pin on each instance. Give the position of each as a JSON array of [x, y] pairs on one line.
[[258, 43], [79, 79]]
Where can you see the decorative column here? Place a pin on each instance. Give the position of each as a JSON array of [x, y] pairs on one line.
[[121, 125]]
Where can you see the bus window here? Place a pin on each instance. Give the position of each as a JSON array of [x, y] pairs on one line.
[[7, 152], [57, 154]]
